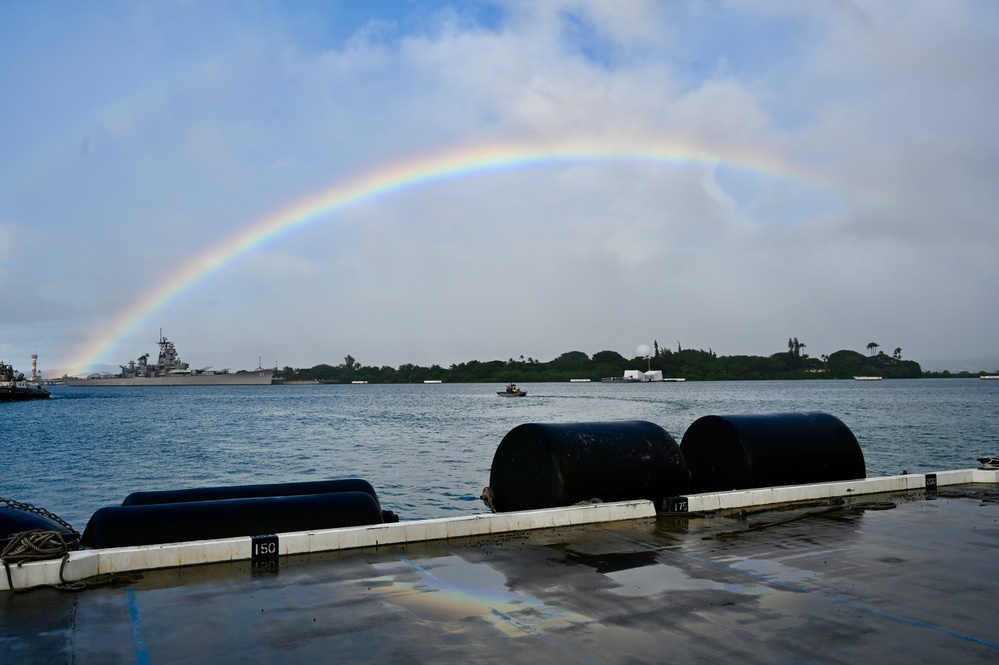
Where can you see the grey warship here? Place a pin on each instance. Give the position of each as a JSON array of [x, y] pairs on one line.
[[169, 370]]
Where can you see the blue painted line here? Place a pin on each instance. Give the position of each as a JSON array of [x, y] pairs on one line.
[[831, 599], [912, 622], [138, 636]]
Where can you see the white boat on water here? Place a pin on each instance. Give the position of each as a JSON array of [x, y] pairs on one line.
[[867, 378]]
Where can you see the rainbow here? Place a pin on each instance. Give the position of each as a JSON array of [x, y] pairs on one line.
[[405, 174]]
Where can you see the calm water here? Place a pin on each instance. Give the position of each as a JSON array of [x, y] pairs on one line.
[[426, 449]]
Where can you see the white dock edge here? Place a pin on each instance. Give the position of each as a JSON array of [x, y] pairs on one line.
[[84, 564], [707, 502]]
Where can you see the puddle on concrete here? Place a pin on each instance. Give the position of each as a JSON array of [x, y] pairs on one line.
[[450, 589], [774, 570], [661, 578], [656, 579], [649, 572]]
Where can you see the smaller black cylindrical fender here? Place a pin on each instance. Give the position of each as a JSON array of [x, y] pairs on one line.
[[153, 524]]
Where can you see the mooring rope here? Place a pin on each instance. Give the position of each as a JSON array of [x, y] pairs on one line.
[[489, 497], [38, 544], [35, 545]]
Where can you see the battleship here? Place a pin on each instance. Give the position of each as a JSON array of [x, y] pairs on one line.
[[169, 370]]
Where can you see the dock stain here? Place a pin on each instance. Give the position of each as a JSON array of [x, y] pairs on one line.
[[656, 579], [449, 589], [645, 573]]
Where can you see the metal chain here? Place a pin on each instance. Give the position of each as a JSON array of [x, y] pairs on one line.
[[11, 503], [36, 545]]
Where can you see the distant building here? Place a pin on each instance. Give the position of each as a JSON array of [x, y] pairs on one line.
[[636, 376]]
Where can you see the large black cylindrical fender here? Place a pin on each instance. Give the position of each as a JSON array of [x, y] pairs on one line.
[[767, 450], [549, 465]]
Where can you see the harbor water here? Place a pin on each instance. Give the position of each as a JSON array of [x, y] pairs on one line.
[[426, 448]]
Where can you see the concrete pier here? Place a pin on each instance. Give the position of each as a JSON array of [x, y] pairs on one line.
[[903, 575]]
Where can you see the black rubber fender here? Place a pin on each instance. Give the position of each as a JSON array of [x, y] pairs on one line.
[[550, 465], [768, 450], [154, 524]]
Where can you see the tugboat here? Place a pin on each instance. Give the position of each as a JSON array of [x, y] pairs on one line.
[[14, 388], [512, 391]]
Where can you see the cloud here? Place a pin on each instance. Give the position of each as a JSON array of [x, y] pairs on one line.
[[849, 195]]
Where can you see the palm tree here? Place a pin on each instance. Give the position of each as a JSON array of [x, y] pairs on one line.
[[898, 353], [871, 346]]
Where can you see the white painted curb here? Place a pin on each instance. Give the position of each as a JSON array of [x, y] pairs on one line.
[[707, 502], [84, 564]]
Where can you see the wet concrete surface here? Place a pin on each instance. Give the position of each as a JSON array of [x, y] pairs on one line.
[[902, 578]]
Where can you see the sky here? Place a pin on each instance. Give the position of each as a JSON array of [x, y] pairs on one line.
[[288, 183]]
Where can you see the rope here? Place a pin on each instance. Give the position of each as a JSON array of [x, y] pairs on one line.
[[488, 497], [38, 544], [34, 545]]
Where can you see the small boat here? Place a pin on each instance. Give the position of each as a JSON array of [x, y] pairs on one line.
[[14, 387], [512, 391]]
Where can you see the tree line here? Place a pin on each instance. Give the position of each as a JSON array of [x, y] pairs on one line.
[[689, 364]]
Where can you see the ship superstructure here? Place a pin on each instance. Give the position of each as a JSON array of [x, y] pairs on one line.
[[169, 363], [15, 388]]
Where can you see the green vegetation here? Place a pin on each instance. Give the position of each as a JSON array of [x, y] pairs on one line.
[[689, 364], [963, 374]]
